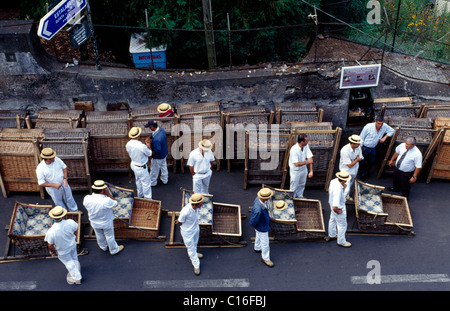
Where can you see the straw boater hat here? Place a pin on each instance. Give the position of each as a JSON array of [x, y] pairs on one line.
[[134, 132], [205, 144], [343, 175], [48, 153], [57, 212], [265, 193], [164, 107], [280, 205], [196, 198], [355, 139], [99, 185]]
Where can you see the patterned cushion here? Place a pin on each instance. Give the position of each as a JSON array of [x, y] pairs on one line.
[[205, 212], [286, 214], [31, 221], [125, 201], [370, 199]]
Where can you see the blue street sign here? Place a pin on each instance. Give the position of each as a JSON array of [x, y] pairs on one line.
[[59, 16]]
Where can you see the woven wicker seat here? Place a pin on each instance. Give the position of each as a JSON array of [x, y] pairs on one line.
[[29, 225]]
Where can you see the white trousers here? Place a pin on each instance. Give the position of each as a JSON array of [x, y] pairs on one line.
[[70, 260], [190, 240], [63, 197], [143, 182], [262, 244], [159, 165], [106, 239], [337, 226], [200, 182], [298, 182], [349, 189]]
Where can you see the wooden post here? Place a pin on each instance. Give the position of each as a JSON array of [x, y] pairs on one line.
[[209, 34]]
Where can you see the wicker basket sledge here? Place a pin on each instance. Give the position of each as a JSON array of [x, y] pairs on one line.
[[29, 225], [108, 137], [71, 146], [135, 218], [19, 156], [13, 118], [426, 140], [236, 121], [265, 155], [297, 112], [378, 212], [198, 108], [220, 223], [55, 118], [302, 220], [440, 168]]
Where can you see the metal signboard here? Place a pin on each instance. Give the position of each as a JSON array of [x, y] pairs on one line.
[[59, 17], [360, 76]]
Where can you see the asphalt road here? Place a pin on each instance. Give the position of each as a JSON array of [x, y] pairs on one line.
[[404, 263]]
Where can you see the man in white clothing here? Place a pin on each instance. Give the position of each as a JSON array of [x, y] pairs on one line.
[[200, 164], [139, 153], [190, 230], [337, 225], [99, 206], [61, 239], [300, 157], [51, 173], [408, 164], [351, 155]]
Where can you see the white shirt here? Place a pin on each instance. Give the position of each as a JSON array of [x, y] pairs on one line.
[[412, 160], [99, 208], [62, 235], [336, 195], [296, 154], [51, 173], [370, 136], [188, 218], [201, 163], [138, 152], [348, 155]]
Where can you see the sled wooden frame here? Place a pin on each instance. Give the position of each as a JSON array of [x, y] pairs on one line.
[[427, 148], [440, 168], [299, 230], [125, 230], [400, 223], [11, 176], [11, 245], [107, 151], [214, 238], [71, 146], [259, 176], [236, 116]]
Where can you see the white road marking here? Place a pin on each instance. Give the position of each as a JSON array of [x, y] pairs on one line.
[[18, 285], [197, 283], [404, 278]]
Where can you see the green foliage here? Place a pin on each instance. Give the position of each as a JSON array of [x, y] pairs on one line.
[[419, 26]]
